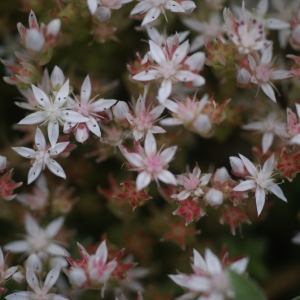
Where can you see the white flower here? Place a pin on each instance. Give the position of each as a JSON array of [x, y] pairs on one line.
[[263, 74], [151, 164], [170, 69], [5, 273], [42, 156], [142, 121], [269, 126], [155, 7], [209, 279], [52, 112], [261, 181], [38, 240], [89, 108], [40, 291]]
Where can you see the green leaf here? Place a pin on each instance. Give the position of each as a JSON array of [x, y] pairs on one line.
[[297, 298], [245, 288]]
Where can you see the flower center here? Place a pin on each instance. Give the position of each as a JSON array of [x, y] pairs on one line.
[[153, 164]]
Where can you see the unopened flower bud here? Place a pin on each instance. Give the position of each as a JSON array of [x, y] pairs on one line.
[[19, 277], [237, 166], [34, 264], [77, 277], [120, 110], [57, 78], [34, 40], [221, 175], [214, 197], [243, 77], [53, 27]]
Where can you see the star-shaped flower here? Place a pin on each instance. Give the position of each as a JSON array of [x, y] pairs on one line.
[[42, 156]]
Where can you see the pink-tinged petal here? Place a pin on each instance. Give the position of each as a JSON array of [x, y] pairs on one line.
[[31, 226], [72, 116], [32, 281], [53, 228], [86, 87], [245, 186], [93, 126], [150, 144], [164, 90], [252, 62], [22, 30], [17, 247], [212, 262], [167, 177], [34, 171], [53, 132], [171, 122], [141, 7], [39, 140], [102, 252], [34, 118], [157, 53], [51, 278], [260, 199], [61, 96], [183, 195], [276, 190], [54, 249], [59, 148], [152, 14], [167, 155], [40, 96], [81, 133], [32, 20], [181, 52], [174, 6], [267, 141], [268, 90], [56, 168], [143, 180], [25, 152], [146, 75], [101, 105], [240, 265], [249, 165], [92, 5], [269, 164]]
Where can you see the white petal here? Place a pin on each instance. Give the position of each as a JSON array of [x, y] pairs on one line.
[[183, 195], [167, 177], [170, 122], [31, 226], [103, 13], [249, 165], [268, 90], [34, 118], [269, 164], [32, 280], [39, 140], [81, 133], [53, 132], [86, 89], [187, 76], [156, 129], [61, 96], [277, 24], [56, 168], [188, 6], [260, 199], [181, 52], [143, 180], [294, 140], [120, 110], [53, 27], [193, 24], [164, 90], [140, 105], [214, 197], [92, 5], [102, 252], [199, 261], [141, 7], [134, 159], [212, 262], [20, 296], [167, 155], [34, 171], [40, 96], [197, 43], [156, 111], [276, 190], [243, 76], [51, 278], [171, 105], [53, 227], [266, 55], [240, 265], [93, 126], [72, 116], [195, 61], [174, 6], [59, 148], [101, 105], [17, 247], [152, 14], [150, 144], [34, 40], [267, 141], [34, 264], [199, 284], [157, 53], [54, 249], [245, 186], [146, 75], [262, 7], [25, 152]]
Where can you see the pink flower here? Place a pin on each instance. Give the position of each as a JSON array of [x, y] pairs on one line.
[[151, 164]]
